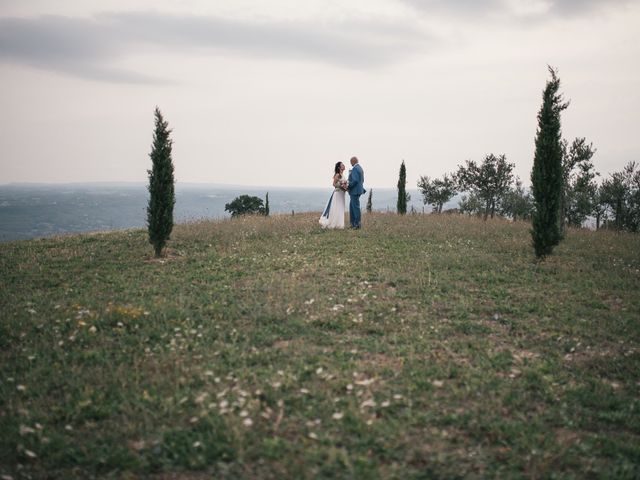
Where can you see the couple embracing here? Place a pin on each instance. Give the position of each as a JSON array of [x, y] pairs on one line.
[[333, 215]]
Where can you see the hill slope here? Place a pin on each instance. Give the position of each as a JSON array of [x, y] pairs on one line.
[[420, 347]]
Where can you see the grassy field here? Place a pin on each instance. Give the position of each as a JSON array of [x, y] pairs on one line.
[[420, 347]]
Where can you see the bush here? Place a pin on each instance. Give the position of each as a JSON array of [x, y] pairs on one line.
[[245, 205]]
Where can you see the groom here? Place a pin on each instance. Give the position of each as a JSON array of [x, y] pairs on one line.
[[356, 188]]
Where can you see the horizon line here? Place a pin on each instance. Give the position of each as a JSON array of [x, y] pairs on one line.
[[202, 184]]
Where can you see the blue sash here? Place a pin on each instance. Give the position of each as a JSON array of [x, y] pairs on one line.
[[326, 210]]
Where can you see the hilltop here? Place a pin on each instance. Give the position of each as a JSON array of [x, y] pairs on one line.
[[423, 346]]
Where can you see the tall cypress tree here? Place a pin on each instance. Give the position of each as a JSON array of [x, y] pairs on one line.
[[402, 190], [369, 204], [266, 205], [161, 187], [546, 175]]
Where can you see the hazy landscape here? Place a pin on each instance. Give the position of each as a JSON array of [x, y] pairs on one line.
[[40, 210]]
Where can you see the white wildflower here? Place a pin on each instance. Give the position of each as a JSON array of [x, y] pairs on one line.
[[366, 382], [368, 403], [24, 430]]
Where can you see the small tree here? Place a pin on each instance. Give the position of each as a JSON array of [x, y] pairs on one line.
[[438, 191], [581, 195], [161, 187], [621, 194], [470, 204], [403, 197], [245, 205], [489, 181], [578, 187], [517, 203], [369, 204], [599, 207], [266, 205], [546, 175]]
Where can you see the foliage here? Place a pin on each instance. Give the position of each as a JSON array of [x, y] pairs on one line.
[[546, 175], [517, 203], [245, 205], [438, 191], [582, 196], [369, 202], [266, 205], [470, 204], [161, 187], [621, 195], [489, 181], [264, 348], [579, 186], [599, 206], [403, 196]]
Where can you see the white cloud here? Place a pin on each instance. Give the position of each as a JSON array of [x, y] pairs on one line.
[[91, 47]]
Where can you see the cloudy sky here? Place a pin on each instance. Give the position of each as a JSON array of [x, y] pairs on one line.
[[274, 93]]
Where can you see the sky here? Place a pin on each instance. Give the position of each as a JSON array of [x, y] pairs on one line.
[[274, 93]]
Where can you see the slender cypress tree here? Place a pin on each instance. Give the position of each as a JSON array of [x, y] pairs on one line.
[[369, 204], [161, 187], [546, 175], [402, 190], [266, 205]]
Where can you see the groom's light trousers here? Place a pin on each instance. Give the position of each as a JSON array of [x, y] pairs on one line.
[[354, 211]]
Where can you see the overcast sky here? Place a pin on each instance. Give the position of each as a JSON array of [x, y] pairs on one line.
[[274, 93]]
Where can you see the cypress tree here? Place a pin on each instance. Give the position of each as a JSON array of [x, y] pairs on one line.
[[546, 175], [369, 204], [161, 187], [402, 190], [266, 205]]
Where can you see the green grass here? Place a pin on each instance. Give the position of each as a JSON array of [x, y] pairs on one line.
[[420, 347]]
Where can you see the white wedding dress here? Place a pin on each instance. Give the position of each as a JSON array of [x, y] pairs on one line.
[[333, 215]]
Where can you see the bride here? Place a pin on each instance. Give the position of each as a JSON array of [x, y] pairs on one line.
[[333, 215]]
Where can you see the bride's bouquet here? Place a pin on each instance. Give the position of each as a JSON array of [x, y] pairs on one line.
[[343, 185]]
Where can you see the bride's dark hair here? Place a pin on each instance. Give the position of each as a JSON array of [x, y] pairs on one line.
[[336, 169]]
